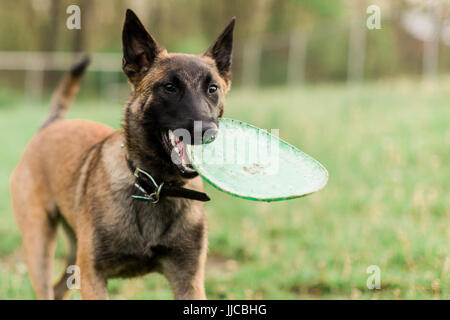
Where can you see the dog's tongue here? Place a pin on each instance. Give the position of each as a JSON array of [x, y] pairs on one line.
[[183, 153], [180, 148]]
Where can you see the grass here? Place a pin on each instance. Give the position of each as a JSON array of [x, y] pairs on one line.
[[387, 203]]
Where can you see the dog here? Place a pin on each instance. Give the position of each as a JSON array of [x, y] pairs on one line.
[[127, 207]]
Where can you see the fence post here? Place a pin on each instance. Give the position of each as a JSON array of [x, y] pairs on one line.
[[296, 59], [431, 47], [356, 49], [34, 81], [251, 63]]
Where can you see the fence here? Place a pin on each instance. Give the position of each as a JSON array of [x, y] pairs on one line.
[[249, 59], [36, 63]]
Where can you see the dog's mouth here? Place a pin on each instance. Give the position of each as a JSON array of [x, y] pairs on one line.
[[177, 151]]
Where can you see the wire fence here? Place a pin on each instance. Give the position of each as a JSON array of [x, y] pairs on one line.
[[249, 59]]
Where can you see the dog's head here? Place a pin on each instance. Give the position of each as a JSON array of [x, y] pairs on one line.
[[176, 98]]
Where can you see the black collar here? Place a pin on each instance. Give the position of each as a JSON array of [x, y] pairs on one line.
[[152, 191]]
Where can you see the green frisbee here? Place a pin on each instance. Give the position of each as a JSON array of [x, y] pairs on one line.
[[251, 163]]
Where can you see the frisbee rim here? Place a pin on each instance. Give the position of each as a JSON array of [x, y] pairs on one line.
[[267, 199]]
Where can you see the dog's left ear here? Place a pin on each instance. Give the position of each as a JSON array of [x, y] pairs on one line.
[[221, 51], [139, 48]]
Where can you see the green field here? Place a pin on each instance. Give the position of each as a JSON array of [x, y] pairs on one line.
[[387, 203]]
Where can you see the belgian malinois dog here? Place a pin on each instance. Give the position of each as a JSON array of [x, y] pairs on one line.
[[126, 206]]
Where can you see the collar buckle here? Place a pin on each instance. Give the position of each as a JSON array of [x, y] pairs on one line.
[[154, 196]]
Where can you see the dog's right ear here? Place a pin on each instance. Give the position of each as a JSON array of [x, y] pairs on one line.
[[221, 50], [139, 48]]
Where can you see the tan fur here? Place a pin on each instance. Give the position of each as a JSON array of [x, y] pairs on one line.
[[43, 178], [51, 156], [75, 173]]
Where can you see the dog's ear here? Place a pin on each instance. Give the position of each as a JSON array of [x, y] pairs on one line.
[[221, 51], [139, 48]]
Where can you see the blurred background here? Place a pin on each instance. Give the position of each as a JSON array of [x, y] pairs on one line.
[[369, 100]]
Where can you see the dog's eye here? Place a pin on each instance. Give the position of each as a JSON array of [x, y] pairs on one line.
[[212, 88], [170, 87]]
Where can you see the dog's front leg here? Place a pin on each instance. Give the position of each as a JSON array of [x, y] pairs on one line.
[[186, 275], [92, 283]]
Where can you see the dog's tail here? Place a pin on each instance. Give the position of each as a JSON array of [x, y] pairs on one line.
[[66, 92]]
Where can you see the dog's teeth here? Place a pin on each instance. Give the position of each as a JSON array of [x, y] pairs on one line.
[[171, 137]]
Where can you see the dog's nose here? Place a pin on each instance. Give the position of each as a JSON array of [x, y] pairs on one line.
[[209, 132]]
